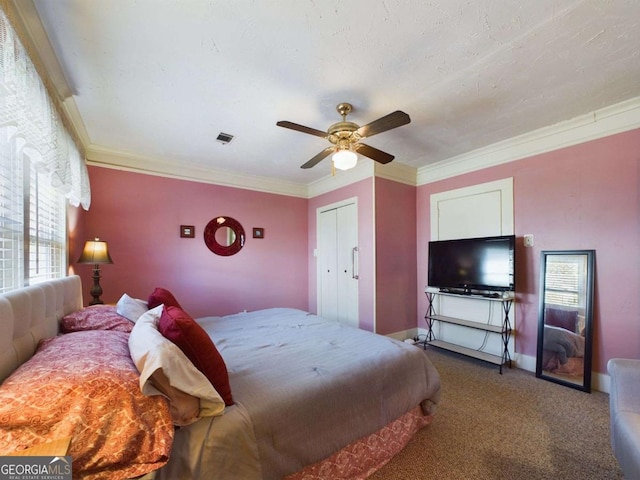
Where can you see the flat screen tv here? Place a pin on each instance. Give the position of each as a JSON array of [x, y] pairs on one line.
[[471, 265]]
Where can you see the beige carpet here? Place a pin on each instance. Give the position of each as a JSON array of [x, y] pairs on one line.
[[512, 426]]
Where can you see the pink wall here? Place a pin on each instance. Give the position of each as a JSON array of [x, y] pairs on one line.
[[581, 197], [396, 270], [140, 215], [363, 191]]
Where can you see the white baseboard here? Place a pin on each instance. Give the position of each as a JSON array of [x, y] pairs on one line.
[[599, 381], [404, 334]]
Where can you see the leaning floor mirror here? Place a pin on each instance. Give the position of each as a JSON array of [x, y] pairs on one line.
[[565, 317]]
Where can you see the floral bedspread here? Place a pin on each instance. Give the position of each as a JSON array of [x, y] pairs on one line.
[[85, 385]]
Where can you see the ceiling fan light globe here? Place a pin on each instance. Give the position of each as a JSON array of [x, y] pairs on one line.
[[344, 159]]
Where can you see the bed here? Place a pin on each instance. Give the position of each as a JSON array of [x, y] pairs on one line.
[[306, 398], [564, 345]]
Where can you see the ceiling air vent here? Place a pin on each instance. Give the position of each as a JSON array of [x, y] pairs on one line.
[[224, 138]]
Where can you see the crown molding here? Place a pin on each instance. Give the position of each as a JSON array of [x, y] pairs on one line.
[[70, 109], [108, 158], [341, 178], [397, 172], [618, 118]]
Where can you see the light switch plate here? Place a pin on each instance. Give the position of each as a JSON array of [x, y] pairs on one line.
[[528, 240]]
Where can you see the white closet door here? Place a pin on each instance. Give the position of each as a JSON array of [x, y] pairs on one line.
[[337, 263], [328, 264], [347, 257]]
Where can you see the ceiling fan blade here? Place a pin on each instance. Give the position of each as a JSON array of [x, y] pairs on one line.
[[315, 160], [393, 120], [302, 128], [373, 153]]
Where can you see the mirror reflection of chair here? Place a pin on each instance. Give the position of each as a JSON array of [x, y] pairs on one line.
[[565, 317]]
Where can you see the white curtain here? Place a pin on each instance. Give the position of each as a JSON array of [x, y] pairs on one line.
[[25, 105]]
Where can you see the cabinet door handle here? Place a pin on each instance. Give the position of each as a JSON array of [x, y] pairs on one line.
[[354, 263]]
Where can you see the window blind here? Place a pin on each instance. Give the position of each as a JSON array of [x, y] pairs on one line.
[[11, 216], [46, 229], [563, 282]]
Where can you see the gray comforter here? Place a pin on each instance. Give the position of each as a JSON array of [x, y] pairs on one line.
[[303, 388], [563, 342]]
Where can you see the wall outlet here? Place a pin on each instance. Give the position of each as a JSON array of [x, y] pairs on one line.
[[528, 240]]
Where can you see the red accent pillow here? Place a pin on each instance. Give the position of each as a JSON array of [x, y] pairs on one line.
[[162, 296], [177, 326]]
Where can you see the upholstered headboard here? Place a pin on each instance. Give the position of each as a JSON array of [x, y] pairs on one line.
[[32, 313]]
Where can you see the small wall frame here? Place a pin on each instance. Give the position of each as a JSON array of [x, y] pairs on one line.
[[187, 231]]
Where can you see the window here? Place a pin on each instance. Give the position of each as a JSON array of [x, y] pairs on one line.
[[32, 221], [566, 281], [11, 217], [40, 168], [47, 230]]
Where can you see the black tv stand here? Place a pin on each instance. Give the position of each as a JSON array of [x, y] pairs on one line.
[[504, 330]]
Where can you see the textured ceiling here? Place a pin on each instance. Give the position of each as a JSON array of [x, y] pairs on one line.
[[160, 79]]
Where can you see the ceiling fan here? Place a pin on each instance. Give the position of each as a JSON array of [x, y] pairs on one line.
[[345, 138]]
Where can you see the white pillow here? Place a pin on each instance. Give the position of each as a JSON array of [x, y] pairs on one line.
[[131, 308], [151, 351]]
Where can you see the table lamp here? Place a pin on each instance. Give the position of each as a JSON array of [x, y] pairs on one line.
[[95, 252]]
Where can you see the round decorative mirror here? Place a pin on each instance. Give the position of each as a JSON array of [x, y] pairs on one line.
[[224, 236]]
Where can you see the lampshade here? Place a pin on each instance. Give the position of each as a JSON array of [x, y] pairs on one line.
[[95, 252], [344, 159]]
